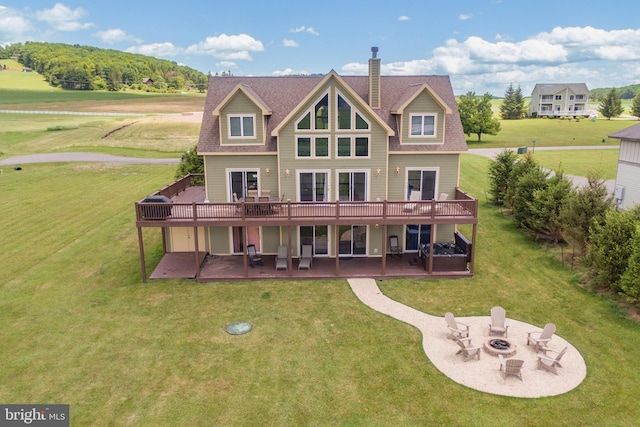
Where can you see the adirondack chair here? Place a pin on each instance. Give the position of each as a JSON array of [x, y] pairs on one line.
[[550, 363], [467, 350], [498, 325], [543, 338], [456, 329], [510, 367]]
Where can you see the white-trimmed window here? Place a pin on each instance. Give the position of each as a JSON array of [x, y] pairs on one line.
[[317, 118], [423, 125], [242, 126], [352, 147], [312, 147], [349, 118]]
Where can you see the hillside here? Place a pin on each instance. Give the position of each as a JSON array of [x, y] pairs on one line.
[[89, 68]]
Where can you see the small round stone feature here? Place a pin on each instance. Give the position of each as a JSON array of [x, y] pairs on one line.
[[496, 346], [239, 328]]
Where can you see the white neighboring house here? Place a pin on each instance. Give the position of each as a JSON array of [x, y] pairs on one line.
[[627, 190], [560, 99]]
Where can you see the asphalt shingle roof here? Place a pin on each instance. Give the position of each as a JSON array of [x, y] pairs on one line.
[[284, 94]]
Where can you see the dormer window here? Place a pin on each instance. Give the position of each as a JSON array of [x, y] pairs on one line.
[[423, 125], [242, 126]]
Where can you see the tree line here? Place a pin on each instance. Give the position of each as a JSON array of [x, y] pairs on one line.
[[548, 207], [91, 68]]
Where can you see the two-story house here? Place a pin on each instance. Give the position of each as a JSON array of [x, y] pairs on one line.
[[559, 100], [627, 189], [356, 167]]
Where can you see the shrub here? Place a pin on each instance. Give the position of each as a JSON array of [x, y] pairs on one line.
[[610, 247], [630, 280]]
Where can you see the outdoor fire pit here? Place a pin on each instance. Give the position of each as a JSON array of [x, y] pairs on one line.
[[496, 346]]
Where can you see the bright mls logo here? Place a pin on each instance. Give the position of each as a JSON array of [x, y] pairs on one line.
[[34, 415]]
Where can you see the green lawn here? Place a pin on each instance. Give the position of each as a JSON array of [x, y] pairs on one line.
[[80, 328], [603, 163], [548, 133]]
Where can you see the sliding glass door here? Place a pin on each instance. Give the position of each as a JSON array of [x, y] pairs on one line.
[[424, 182]]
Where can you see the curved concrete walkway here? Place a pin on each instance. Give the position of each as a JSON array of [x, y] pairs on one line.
[[482, 375]]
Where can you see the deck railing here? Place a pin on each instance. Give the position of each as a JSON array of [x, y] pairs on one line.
[[383, 210]]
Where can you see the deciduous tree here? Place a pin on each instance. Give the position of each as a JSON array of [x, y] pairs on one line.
[[476, 115]]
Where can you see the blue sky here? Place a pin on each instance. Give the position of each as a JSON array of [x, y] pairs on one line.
[[482, 44]]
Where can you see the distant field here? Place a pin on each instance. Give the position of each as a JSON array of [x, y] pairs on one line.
[[550, 132], [29, 91]]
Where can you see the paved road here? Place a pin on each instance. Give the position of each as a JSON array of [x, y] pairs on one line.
[[97, 157], [82, 157]]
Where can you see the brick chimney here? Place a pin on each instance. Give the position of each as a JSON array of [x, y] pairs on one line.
[[374, 79]]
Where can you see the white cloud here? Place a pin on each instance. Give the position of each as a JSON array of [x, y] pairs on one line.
[[63, 18], [289, 72], [12, 25], [464, 17], [116, 35], [229, 47], [600, 58], [289, 43], [163, 50], [403, 18], [226, 64], [304, 29]]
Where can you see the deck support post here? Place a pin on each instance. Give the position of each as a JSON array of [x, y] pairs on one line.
[[289, 248], [196, 251], [473, 249], [337, 240], [384, 249], [141, 246], [245, 242]]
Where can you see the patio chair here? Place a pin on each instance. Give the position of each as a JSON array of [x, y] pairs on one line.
[[543, 339], [254, 257], [265, 193], [414, 196], [498, 325], [252, 193], [306, 257], [443, 196], [510, 367], [467, 350], [394, 245], [456, 329], [550, 363], [282, 260]]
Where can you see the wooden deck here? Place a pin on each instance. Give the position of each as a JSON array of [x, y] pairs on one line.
[[232, 268]]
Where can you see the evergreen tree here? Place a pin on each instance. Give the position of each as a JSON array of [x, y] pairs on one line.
[[635, 106], [611, 105], [499, 174], [513, 105], [476, 115]]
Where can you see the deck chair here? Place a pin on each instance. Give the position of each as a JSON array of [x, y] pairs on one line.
[[443, 196], [306, 258], [510, 367], [543, 338], [498, 325], [467, 350], [252, 193], [550, 363], [414, 196], [457, 329], [254, 257], [282, 260], [394, 245], [265, 193]]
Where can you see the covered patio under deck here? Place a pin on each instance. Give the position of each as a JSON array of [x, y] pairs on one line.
[[231, 268]]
